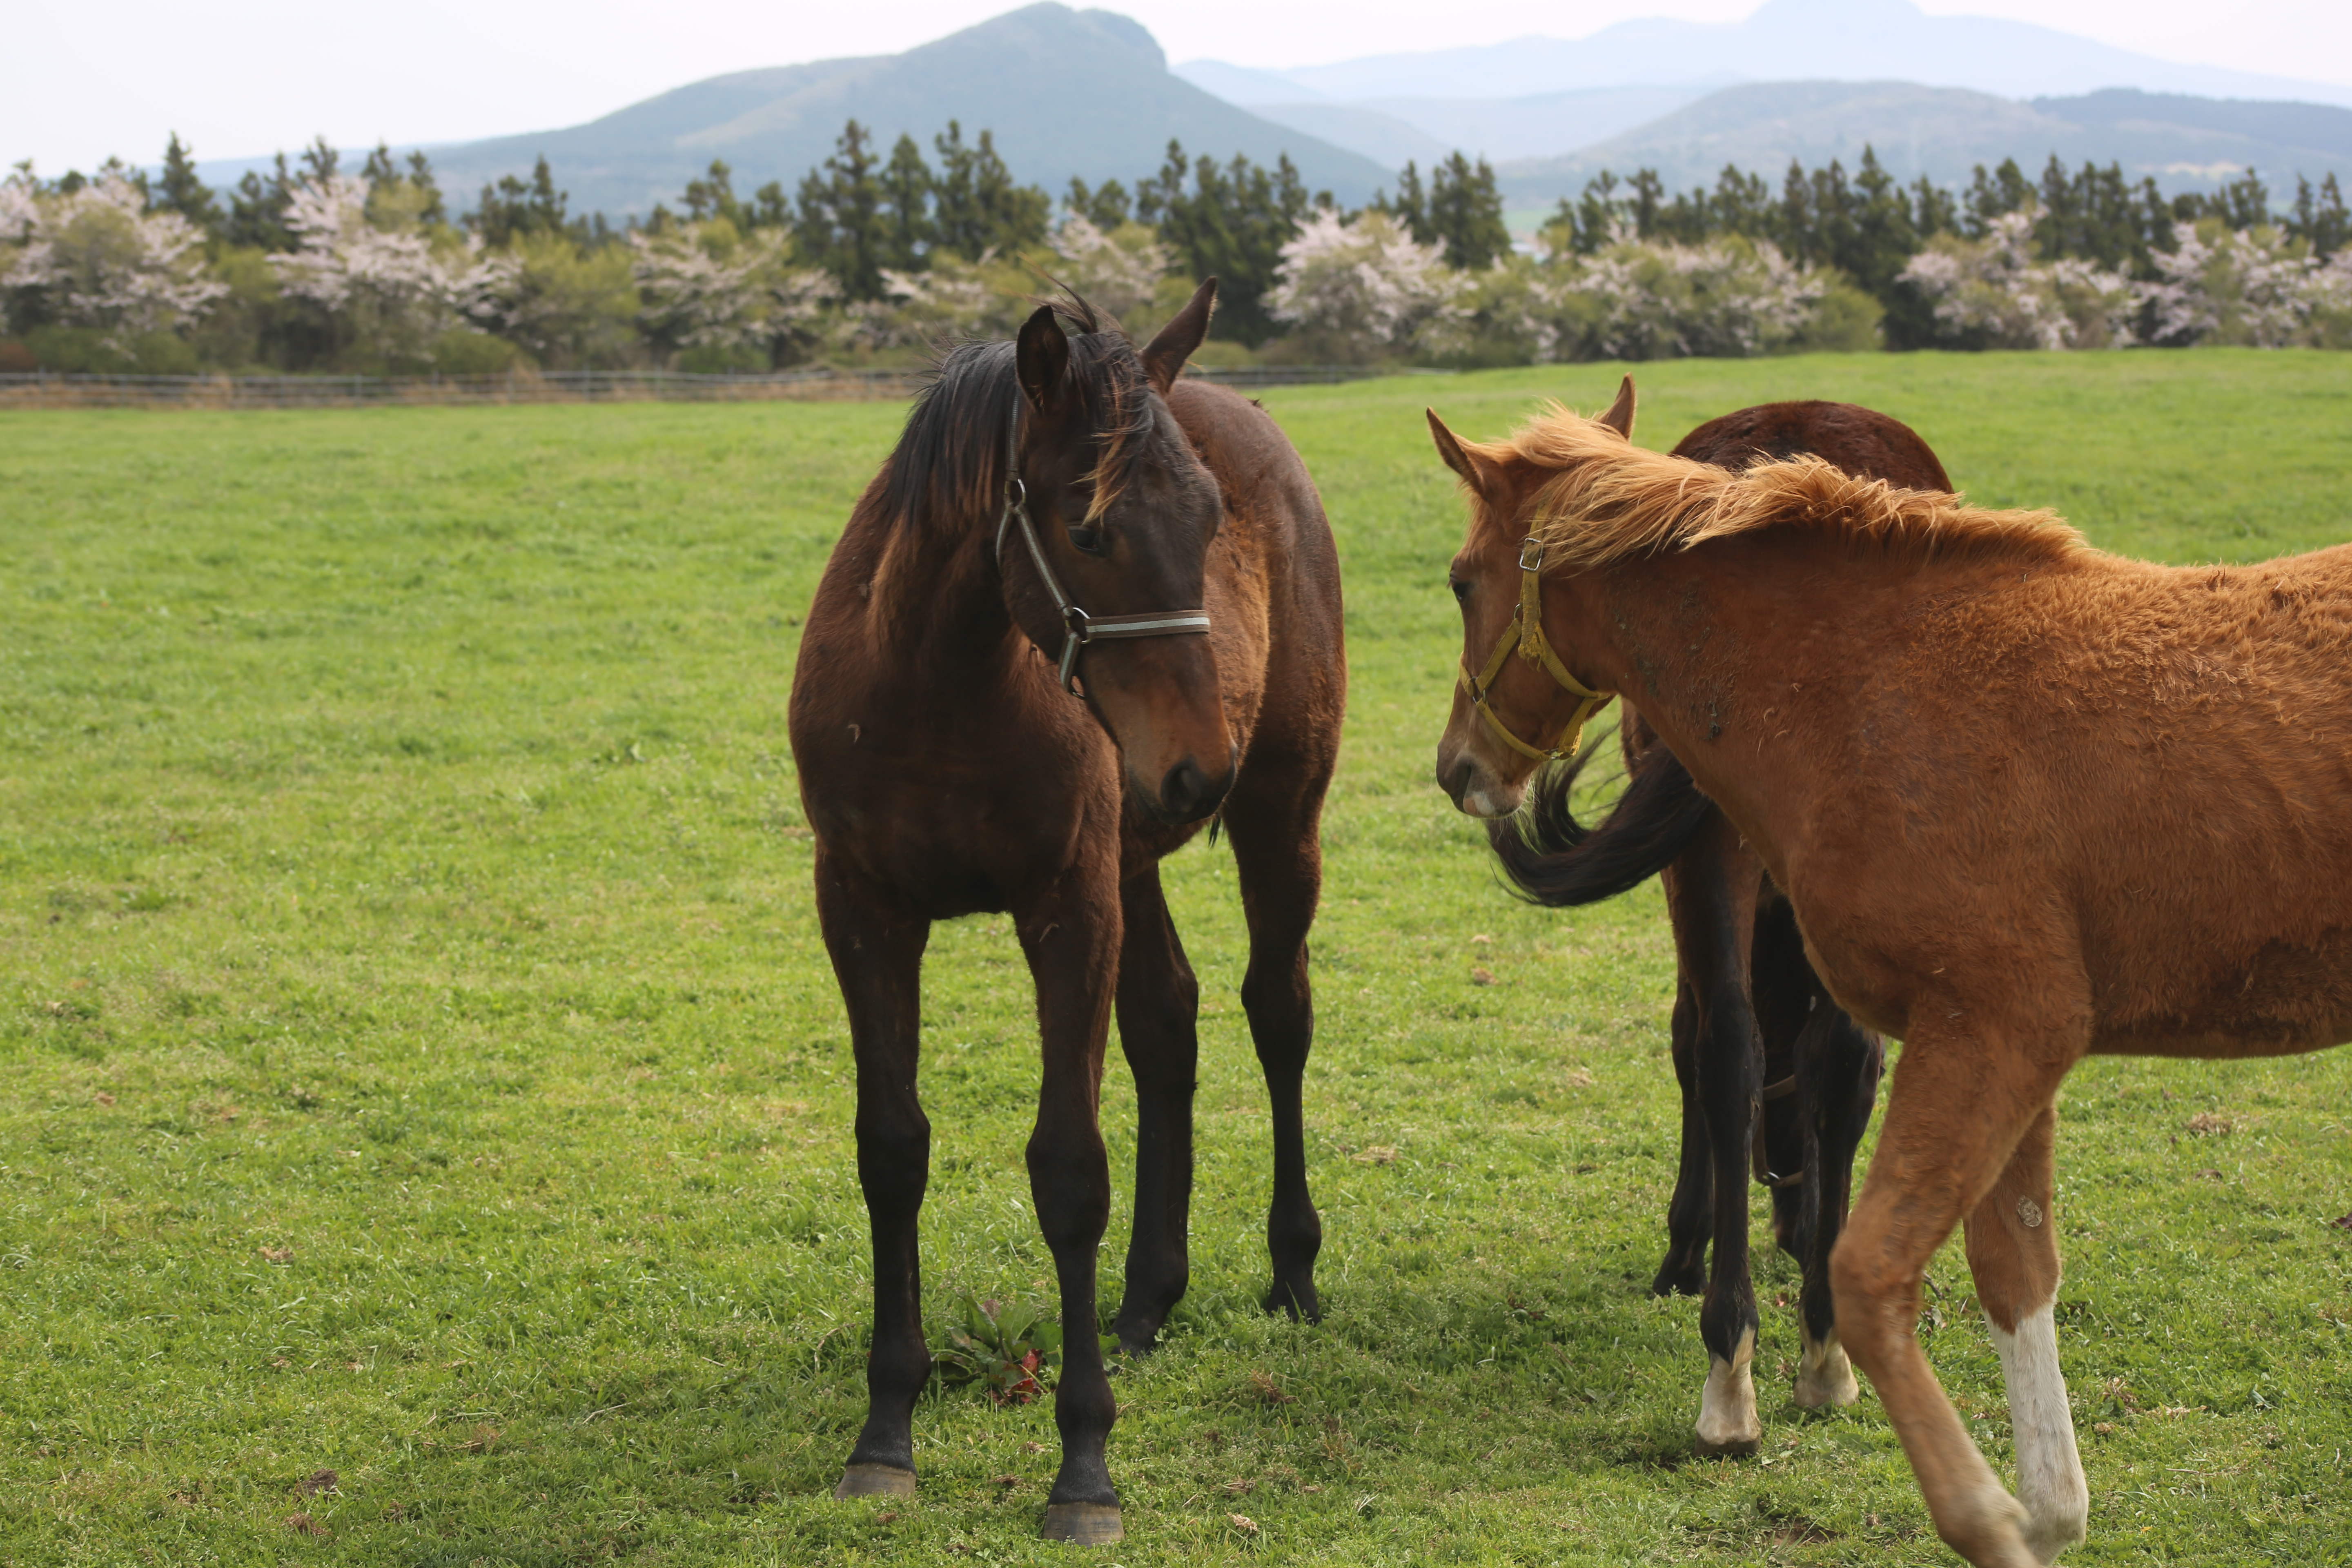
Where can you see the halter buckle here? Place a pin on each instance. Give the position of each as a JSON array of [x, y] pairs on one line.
[[1531, 554]]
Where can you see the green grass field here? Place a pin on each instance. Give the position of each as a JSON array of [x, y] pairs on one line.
[[422, 1065]]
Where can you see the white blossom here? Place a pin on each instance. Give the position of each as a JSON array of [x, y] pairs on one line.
[[706, 287], [1728, 298], [393, 288], [1994, 289], [1366, 285], [1118, 271], [101, 259], [2251, 287]]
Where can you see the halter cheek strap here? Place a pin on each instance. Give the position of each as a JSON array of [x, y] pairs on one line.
[[1525, 632], [1079, 628]]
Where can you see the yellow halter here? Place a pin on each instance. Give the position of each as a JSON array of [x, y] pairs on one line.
[[1526, 632]]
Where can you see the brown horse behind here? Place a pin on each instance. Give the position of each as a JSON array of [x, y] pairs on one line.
[[1004, 701], [1775, 1077], [2030, 802]]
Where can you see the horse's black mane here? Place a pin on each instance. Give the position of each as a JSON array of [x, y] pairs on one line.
[[950, 461]]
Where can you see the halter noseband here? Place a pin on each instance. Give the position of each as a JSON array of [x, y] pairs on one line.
[[1080, 629], [1525, 632]]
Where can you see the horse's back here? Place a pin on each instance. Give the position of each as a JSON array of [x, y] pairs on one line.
[[2173, 747], [1859, 440]]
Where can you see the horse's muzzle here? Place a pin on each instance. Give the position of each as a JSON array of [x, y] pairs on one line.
[[1187, 793]]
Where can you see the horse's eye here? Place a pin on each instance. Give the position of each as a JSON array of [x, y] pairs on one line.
[[1461, 590], [1089, 538]]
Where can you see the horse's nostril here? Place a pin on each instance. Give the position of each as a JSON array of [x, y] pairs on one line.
[[1187, 794], [1456, 779]]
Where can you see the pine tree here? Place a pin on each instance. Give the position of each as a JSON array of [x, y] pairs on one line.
[[1465, 214], [510, 208], [978, 208], [1411, 207], [1107, 205], [1233, 222], [2321, 221], [257, 209], [840, 224], [907, 207], [182, 192]]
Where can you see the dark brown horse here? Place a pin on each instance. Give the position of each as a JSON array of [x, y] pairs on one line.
[[1775, 1077], [1083, 606]]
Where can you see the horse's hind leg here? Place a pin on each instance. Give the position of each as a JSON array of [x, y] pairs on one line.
[[1714, 910], [1280, 859], [1070, 933], [1683, 1272], [1158, 1007], [877, 944], [2013, 1258], [1837, 1087], [1959, 1107]]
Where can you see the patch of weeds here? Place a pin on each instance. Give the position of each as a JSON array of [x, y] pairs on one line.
[[1005, 1348]]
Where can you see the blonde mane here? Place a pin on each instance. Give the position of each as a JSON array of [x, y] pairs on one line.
[[1608, 500]]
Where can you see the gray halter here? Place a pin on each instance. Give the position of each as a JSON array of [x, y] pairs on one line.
[[1080, 629]]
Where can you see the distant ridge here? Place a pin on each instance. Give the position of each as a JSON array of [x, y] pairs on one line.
[[1084, 93], [1783, 40], [1942, 132]]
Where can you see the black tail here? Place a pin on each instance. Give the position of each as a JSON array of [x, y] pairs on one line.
[[1551, 858]]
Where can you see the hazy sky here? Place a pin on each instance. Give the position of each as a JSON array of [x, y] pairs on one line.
[[238, 78]]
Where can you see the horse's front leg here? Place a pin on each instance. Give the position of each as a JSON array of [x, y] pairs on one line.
[[1071, 933], [1159, 1011], [877, 943]]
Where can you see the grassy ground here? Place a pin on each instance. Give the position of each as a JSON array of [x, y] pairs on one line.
[[421, 1066]]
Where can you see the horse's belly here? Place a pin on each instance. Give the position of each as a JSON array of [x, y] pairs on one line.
[[2285, 999]]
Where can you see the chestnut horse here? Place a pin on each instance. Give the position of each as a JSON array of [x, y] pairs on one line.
[[1083, 606], [2028, 800], [1775, 1077]]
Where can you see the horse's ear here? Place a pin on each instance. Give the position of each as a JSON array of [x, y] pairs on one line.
[[1482, 474], [1042, 360], [1620, 417], [1164, 356]]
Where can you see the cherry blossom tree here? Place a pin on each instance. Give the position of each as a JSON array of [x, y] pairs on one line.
[[96, 257], [2255, 288], [1364, 289], [1991, 291], [705, 285], [1119, 269], [392, 283]]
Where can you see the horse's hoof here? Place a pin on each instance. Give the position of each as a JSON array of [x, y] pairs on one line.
[[1083, 1524], [876, 1480], [1727, 1412], [1730, 1448], [1676, 1281], [1824, 1375], [1302, 1305]]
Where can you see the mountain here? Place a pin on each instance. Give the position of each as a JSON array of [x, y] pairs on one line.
[[1084, 93], [1944, 132], [1848, 40], [1391, 129]]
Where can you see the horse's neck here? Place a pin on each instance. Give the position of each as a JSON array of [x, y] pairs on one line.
[[937, 607], [1723, 646]]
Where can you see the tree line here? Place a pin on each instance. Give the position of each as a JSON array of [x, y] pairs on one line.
[[869, 250], [1869, 226]]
